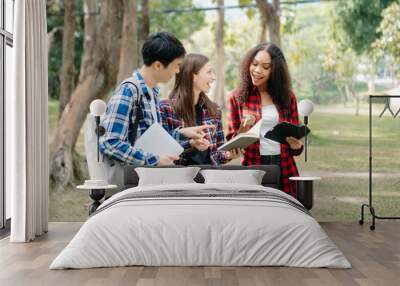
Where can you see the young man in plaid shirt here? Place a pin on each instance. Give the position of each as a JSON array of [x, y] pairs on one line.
[[162, 55]]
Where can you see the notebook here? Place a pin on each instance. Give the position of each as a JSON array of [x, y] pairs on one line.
[[157, 140], [243, 140], [282, 130]]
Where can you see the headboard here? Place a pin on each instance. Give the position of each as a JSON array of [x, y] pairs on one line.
[[270, 179]]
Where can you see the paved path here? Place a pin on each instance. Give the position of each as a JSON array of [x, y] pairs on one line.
[[361, 175]]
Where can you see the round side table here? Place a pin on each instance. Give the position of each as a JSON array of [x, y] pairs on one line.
[[96, 193], [304, 190]]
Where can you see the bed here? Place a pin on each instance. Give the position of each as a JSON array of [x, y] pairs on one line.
[[198, 224]]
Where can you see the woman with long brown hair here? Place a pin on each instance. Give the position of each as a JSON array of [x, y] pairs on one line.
[[265, 93], [188, 105]]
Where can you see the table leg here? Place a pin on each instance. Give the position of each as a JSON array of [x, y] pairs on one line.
[[96, 195], [305, 193]]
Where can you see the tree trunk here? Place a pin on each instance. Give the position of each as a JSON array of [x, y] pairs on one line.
[[351, 93], [219, 93], [357, 99], [67, 73], [129, 52], [343, 95], [51, 37], [89, 43], [145, 29], [274, 24], [355, 96], [145, 20], [371, 77], [98, 76], [263, 35], [50, 3], [347, 90], [270, 19]]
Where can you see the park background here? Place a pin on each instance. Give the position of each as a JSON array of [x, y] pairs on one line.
[[338, 53]]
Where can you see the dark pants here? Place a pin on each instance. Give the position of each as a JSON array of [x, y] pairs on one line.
[[273, 160]]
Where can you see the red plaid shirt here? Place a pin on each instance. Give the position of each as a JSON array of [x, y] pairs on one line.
[[216, 138], [237, 108]]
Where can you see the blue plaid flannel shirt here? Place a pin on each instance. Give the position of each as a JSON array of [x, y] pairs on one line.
[[115, 142]]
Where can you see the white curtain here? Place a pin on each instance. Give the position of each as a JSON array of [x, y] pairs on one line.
[[26, 124]]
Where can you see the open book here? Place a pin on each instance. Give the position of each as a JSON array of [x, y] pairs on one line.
[[243, 140]]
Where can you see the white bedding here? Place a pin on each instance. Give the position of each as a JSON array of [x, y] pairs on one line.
[[183, 231]]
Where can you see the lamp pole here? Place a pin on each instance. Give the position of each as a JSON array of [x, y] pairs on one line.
[[98, 108], [305, 139], [306, 107], [98, 136]]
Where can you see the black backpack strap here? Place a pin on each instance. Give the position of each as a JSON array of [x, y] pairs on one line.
[[139, 116], [132, 132]]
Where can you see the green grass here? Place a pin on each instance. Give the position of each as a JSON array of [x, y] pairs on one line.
[[338, 143], [340, 199], [69, 205], [53, 106], [53, 117]]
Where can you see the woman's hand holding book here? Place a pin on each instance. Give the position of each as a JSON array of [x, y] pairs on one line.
[[294, 143], [247, 122]]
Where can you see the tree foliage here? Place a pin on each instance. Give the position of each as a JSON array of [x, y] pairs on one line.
[[181, 24], [55, 22], [250, 11], [343, 64], [304, 47], [389, 42], [356, 23]]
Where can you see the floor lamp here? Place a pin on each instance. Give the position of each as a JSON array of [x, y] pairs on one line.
[[306, 107], [98, 108]]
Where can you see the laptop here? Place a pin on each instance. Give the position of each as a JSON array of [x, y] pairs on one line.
[[158, 141]]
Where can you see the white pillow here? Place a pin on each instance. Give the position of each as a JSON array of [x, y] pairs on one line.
[[248, 177], [166, 176]]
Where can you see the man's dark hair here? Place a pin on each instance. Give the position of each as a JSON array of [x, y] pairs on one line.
[[163, 47]]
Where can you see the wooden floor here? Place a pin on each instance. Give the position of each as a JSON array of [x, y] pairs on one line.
[[375, 256]]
